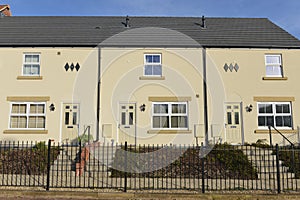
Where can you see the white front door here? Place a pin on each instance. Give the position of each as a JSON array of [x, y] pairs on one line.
[[70, 122], [233, 123], [127, 126]]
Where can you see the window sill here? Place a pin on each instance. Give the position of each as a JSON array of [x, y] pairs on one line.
[[266, 131], [29, 78], [152, 78], [23, 131], [169, 131], [274, 78]]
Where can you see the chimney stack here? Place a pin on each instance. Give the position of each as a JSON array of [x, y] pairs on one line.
[[203, 24], [127, 22], [5, 10]]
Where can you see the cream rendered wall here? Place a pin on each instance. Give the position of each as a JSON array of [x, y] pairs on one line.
[[56, 83], [248, 82], [122, 71]]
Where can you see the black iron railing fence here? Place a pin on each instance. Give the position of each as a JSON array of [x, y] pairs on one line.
[[150, 167]]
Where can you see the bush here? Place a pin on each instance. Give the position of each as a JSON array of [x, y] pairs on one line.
[[223, 161], [27, 160]]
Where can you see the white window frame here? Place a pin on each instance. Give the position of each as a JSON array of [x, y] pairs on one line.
[[152, 64], [274, 114], [27, 114], [31, 63], [274, 65], [170, 115]]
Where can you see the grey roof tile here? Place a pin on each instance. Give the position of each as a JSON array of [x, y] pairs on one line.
[[91, 31]]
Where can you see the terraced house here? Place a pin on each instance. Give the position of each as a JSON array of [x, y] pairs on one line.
[[148, 80]]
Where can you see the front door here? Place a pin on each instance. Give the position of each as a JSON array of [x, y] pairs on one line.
[[70, 122], [233, 123], [127, 126]]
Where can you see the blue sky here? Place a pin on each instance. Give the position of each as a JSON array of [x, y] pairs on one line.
[[284, 13]]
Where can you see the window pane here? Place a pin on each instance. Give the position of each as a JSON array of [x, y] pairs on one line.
[[282, 108], [148, 69], [156, 122], [161, 108], [14, 122], [237, 117], [28, 58], [33, 109], [123, 118], [157, 70], [164, 122], [32, 58], [74, 118], [131, 118], [283, 121], [22, 122], [160, 122], [40, 122], [18, 109], [265, 108], [261, 121], [279, 121], [156, 59], [287, 121], [275, 59], [35, 58], [229, 120], [174, 122], [37, 108], [265, 120], [41, 109], [274, 70], [179, 122], [270, 120], [179, 108], [22, 108], [27, 69], [67, 118], [35, 69], [32, 122], [149, 58]]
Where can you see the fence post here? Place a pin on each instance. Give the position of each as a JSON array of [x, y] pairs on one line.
[[48, 165], [125, 174], [202, 168], [278, 169]]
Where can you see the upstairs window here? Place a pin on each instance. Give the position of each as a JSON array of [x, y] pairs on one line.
[[277, 114], [273, 65], [152, 65], [31, 64]]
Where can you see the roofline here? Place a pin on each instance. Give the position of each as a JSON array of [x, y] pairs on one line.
[[145, 46], [250, 46]]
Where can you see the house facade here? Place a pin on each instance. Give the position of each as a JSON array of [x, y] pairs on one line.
[[147, 80]]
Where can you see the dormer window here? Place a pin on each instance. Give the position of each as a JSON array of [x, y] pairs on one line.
[[152, 65]]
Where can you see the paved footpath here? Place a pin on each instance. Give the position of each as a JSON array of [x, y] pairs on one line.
[[14, 194]]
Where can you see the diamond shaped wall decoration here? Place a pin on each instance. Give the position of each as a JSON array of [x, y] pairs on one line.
[[231, 67], [72, 67], [236, 67], [77, 67], [225, 67], [67, 67]]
